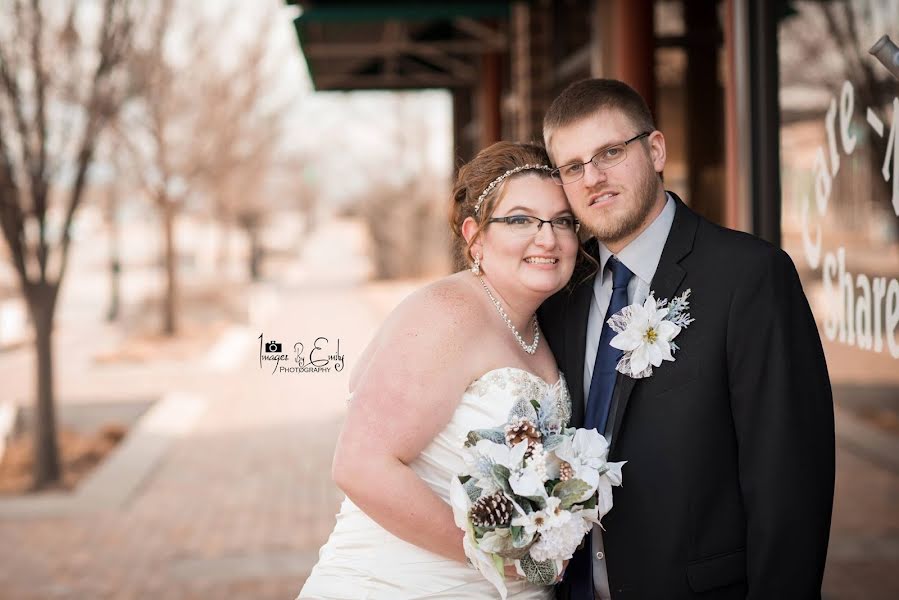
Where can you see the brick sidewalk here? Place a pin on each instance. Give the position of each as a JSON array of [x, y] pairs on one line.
[[863, 556]]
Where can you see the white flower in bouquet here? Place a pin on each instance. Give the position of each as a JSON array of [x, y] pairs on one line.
[[528, 480], [561, 531], [586, 452], [542, 520], [482, 459]]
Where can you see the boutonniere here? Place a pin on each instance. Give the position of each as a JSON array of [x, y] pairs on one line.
[[645, 333]]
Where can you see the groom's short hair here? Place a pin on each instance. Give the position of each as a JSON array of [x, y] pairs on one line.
[[584, 98]]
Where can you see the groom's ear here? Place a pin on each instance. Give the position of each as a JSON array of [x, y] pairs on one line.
[[657, 150]]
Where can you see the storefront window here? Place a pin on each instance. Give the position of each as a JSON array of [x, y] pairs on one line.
[[839, 153], [840, 182]]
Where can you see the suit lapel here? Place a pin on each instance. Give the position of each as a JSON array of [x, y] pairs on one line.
[[575, 346], [665, 284], [576, 338]]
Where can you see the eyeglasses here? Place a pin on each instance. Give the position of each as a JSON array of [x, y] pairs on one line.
[[527, 225], [604, 159]]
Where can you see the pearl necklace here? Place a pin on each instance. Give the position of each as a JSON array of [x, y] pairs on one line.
[[530, 349]]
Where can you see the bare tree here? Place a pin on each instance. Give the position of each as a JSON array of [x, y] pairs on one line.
[[406, 235], [159, 132], [243, 152], [161, 117], [61, 81], [209, 127]]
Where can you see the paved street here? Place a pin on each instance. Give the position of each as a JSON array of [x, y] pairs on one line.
[[239, 504]]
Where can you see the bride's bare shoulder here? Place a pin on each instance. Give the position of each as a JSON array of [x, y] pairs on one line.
[[449, 301], [446, 313]]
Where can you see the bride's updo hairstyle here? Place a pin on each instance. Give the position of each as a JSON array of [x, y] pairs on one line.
[[476, 176]]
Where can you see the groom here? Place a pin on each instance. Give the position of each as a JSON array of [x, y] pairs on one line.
[[728, 485]]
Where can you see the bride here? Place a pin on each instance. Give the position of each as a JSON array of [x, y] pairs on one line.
[[452, 357]]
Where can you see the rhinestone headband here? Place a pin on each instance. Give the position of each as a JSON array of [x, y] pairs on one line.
[[499, 180]]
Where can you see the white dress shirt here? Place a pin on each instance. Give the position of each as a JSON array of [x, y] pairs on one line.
[[642, 257]]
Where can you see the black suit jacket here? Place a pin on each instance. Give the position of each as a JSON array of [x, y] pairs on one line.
[[728, 486]]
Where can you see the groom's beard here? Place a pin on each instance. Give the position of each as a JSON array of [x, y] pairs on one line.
[[645, 193]]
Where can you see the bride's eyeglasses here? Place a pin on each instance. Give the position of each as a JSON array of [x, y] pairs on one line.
[[528, 225]]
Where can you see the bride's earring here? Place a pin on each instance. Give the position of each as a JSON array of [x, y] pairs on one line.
[[476, 267]]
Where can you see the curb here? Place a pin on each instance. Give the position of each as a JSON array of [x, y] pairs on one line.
[[115, 480]]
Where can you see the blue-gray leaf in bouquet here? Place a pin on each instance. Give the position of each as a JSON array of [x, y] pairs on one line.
[[472, 489], [551, 442], [553, 414], [541, 573], [523, 409], [501, 477], [494, 435], [571, 492]]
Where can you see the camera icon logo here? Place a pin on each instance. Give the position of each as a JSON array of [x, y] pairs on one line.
[[273, 346]]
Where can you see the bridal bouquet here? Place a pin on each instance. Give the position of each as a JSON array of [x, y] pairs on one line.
[[531, 491]]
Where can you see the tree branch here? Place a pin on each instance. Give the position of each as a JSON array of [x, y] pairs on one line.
[[101, 108], [39, 184], [14, 98], [11, 219]]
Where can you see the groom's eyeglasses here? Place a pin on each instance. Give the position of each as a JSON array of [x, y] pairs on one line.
[[606, 158], [527, 225]]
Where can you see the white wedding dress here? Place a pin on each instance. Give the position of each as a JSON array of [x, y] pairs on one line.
[[362, 561]]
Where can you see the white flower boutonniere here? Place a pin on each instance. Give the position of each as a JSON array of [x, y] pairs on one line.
[[645, 333]]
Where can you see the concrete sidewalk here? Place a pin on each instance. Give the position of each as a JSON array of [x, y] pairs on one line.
[[237, 505]]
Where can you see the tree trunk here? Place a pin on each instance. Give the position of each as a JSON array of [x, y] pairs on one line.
[[115, 276], [115, 264], [46, 464], [255, 254], [169, 309]]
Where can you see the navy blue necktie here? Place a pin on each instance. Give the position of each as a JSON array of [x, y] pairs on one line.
[[599, 399], [602, 383]]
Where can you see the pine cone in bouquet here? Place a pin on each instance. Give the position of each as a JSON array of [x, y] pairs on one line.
[[566, 472], [521, 430], [495, 510]]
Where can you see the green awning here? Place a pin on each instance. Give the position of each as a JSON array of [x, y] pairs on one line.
[[418, 11], [398, 45]]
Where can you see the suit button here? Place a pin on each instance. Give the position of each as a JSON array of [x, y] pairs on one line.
[[600, 556]]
